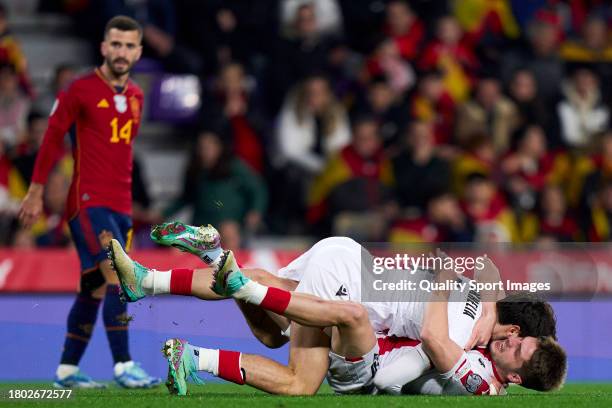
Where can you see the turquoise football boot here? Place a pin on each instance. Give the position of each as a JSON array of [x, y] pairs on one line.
[[130, 273], [203, 241], [227, 277], [181, 366]]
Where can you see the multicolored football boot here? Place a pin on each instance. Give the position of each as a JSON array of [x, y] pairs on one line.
[[203, 241], [227, 277], [134, 376], [181, 366], [77, 380], [130, 273]]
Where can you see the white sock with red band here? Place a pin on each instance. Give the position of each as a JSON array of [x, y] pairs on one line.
[[269, 298], [174, 281], [221, 363]]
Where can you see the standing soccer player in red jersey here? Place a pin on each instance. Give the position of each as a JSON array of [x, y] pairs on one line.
[[106, 107]]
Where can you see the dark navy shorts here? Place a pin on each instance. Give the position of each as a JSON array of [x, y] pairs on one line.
[[93, 228]]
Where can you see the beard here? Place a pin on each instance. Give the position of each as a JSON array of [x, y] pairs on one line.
[[116, 70]]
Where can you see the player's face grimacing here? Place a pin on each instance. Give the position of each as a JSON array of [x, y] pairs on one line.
[[511, 354], [121, 50]]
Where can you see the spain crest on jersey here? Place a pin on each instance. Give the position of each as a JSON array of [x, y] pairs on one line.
[[120, 103]]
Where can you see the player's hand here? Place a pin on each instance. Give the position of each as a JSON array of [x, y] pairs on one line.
[[481, 334], [31, 206], [496, 388]]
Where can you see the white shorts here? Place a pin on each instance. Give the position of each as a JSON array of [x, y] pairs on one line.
[[353, 376], [331, 270]]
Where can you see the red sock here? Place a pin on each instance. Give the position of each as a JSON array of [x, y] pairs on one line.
[[276, 300], [229, 366], [180, 281]]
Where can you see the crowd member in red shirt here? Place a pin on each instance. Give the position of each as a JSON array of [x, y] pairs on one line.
[[405, 28], [552, 221], [530, 166], [106, 108], [486, 208], [432, 103], [232, 107], [448, 53]]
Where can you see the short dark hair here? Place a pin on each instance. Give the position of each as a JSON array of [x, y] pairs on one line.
[[123, 23], [534, 316], [547, 367]]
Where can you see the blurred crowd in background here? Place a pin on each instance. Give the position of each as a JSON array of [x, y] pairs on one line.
[[406, 121]]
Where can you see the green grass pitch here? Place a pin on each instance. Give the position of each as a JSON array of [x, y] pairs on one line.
[[219, 395]]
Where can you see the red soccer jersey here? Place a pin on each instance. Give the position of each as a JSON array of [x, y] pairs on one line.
[[106, 123]]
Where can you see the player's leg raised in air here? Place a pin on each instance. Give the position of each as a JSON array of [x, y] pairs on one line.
[[138, 281], [352, 340]]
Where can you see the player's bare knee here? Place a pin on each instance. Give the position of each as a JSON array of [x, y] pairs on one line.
[[353, 314], [299, 387]]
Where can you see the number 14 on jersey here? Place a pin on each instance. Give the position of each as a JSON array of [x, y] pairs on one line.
[[123, 133]]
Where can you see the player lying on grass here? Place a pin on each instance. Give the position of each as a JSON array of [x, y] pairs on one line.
[[518, 314], [341, 280], [351, 335]]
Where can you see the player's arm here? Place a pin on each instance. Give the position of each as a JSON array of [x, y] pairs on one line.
[[63, 115], [441, 349], [486, 273]]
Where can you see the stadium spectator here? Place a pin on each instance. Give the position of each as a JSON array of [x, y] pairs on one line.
[[432, 103], [589, 171], [486, 208], [24, 153], [51, 229], [600, 225], [551, 220], [405, 28], [349, 194], [489, 27], [312, 125], [226, 39], [11, 54], [418, 165], [477, 157], [541, 57], [483, 20], [14, 106], [329, 16], [443, 222], [300, 52], [489, 112], [523, 91], [594, 48], [386, 106], [582, 112], [530, 166], [232, 106], [451, 56], [220, 188], [387, 62], [63, 75]]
